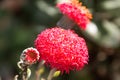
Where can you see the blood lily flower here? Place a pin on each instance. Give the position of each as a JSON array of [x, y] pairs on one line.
[[73, 11], [62, 49]]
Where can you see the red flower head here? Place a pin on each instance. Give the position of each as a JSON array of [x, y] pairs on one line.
[[30, 56], [75, 11], [62, 49]]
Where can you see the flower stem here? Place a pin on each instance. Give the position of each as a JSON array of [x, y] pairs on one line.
[[0, 78], [65, 23], [43, 79], [38, 73], [25, 71], [50, 76], [24, 74]]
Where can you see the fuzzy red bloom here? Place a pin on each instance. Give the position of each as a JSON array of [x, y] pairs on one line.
[[62, 49], [30, 56], [75, 11]]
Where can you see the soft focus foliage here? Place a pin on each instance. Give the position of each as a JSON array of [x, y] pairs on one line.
[[22, 20]]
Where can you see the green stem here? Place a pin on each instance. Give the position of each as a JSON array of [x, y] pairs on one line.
[[50, 76], [65, 23], [25, 74], [25, 71], [38, 74]]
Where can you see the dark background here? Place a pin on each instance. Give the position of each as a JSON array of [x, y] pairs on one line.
[[22, 20]]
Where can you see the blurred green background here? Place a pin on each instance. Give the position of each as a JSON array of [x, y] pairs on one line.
[[22, 20]]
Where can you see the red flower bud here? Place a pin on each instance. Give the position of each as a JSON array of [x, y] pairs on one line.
[[30, 56]]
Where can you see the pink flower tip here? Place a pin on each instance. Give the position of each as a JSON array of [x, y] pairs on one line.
[[62, 49], [75, 11], [30, 56]]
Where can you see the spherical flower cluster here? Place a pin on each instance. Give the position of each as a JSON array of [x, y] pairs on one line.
[[30, 56], [76, 12], [62, 49]]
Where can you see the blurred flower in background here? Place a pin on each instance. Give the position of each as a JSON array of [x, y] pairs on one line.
[[74, 10]]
